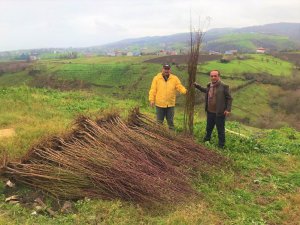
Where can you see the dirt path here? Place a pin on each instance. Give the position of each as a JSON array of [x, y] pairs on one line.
[[4, 133]]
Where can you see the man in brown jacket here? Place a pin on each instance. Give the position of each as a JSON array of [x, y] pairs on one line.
[[217, 106]]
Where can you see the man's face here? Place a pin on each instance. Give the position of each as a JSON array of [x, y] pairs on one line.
[[214, 76], [166, 71]]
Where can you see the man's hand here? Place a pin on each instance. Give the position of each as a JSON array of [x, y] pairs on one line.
[[152, 104], [226, 113]]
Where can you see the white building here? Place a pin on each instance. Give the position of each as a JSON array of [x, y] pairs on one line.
[[261, 50]]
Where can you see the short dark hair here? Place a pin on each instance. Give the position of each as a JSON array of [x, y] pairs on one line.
[[219, 73]]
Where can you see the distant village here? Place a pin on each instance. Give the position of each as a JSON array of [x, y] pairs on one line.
[[74, 53]]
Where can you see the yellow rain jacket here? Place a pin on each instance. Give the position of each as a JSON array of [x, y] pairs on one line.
[[163, 93]]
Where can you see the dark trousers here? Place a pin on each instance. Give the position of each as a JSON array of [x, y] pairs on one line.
[[219, 121], [168, 112]]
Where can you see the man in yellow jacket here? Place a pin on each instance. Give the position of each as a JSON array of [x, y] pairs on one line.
[[163, 94]]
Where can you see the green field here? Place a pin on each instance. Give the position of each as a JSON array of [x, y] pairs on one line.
[[35, 113], [260, 185], [248, 42], [257, 64]]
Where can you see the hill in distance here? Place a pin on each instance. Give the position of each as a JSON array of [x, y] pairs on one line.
[[276, 36], [273, 37]]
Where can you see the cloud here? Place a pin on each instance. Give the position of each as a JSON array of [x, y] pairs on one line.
[[64, 23]]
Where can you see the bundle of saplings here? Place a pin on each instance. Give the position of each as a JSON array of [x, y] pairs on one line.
[[108, 158]]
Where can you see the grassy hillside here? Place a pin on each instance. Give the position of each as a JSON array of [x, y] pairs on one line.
[[259, 185], [34, 113], [252, 104], [130, 78], [277, 36], [255, 63], [249, 42]]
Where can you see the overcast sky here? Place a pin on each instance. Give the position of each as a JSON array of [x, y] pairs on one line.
[[26, 24]]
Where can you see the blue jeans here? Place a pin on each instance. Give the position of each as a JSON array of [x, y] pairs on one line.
[[168, 112]]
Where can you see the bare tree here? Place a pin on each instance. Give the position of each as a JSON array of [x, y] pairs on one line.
[[196, 39]]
